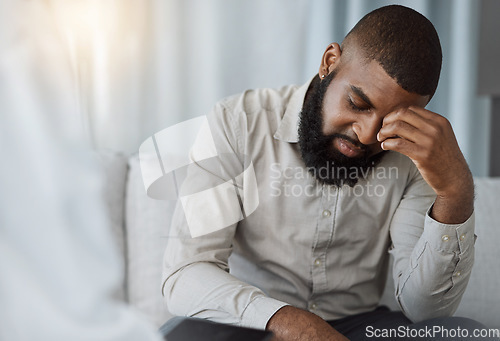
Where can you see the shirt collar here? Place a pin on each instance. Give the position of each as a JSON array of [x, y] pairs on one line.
[[289, 125]]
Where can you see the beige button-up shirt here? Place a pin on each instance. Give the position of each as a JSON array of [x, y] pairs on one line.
[[313, 246]]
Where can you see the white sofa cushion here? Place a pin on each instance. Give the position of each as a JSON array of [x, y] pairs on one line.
[[114, 170], [481, 300], [147, 222]]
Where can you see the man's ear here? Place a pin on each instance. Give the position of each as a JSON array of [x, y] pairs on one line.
[[330, 60]]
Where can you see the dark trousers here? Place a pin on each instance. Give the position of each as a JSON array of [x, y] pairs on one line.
[[384, 324]]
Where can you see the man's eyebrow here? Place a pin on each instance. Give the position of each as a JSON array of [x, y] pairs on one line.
[[362, 95]]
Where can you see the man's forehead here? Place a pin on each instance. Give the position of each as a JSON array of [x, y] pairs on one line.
[[368, 80], [367, 75]]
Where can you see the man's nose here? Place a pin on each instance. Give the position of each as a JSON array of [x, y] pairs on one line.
[[367, 129]]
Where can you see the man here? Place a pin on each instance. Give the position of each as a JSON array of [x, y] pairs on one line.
[[347, 167]]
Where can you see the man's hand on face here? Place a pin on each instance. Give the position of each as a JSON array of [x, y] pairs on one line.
[[294, 324], [428, 140]]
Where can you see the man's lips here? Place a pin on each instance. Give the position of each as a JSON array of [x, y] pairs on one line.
[[347, 148]]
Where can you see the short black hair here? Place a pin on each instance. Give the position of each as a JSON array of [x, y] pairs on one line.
[[404, 43]]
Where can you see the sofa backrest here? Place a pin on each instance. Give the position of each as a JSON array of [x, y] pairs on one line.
[[140, 226]]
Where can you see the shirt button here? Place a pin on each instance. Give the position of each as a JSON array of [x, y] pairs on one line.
[[462, 237], [313, 306], [326, 213], [445, 238], [317, 262], [458, 273]]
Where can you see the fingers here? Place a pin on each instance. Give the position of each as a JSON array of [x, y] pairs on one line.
[[402, 146], [406, 124], [411, 115], [412, 131], [418, 117], [421, 152], [399, 129]]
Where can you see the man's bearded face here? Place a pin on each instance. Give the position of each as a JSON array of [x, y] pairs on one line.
[[322, 158]]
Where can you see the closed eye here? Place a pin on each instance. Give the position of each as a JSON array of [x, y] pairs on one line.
[[355, 107]]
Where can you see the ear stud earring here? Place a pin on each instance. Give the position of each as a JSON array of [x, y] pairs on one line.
[[322, 76]]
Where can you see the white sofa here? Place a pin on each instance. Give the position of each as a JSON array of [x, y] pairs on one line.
[[141, 224]]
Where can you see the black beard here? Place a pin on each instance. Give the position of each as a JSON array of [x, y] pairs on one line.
[[327, 164]]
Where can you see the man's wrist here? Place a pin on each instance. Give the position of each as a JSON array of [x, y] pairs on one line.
[[453, 209], [455, 204]]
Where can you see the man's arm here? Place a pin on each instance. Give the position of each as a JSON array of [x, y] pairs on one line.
[[196, 273], [204, 289], [433, 252], [290, 323], [196, 279], [428, 140]]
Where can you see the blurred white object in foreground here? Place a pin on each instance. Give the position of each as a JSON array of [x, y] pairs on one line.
[[58, 265]]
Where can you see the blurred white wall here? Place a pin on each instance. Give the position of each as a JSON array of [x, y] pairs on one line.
[[143, 65], [59, 267]]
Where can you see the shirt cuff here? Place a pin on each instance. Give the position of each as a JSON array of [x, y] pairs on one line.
[[259, 311], [449, 237]]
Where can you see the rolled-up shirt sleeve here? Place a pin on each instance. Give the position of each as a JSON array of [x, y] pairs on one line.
[[196, 278], [432, 261]]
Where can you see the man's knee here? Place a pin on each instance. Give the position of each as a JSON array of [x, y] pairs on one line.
[[456, 328], [171, 324]]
